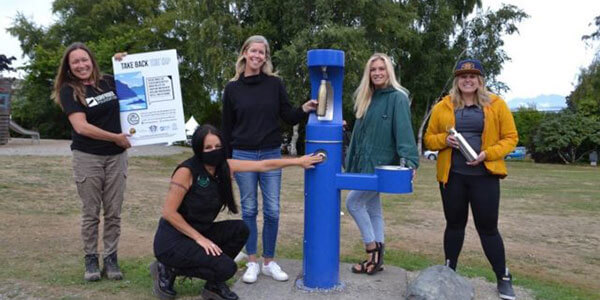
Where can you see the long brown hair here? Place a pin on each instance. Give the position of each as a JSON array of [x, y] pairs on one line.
[[64, 76], [222, 170]]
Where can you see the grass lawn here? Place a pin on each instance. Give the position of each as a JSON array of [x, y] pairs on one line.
[[549, 219]]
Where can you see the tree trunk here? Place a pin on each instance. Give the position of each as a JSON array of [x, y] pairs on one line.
[[562, 157], [422, 128], [293, 150]]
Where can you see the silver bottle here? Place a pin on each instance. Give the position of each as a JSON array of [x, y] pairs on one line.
[[463, 145]]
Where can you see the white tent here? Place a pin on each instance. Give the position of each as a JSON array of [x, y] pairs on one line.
[[190, 126]]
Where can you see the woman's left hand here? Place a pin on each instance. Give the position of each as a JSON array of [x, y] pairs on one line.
[[210, 247], [310, 105], [479, 159], [119, 55]]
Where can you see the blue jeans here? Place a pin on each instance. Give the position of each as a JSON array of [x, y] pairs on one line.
[[365, 208], [270, 184]]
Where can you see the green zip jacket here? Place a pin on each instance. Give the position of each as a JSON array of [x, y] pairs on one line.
[[383, 135]]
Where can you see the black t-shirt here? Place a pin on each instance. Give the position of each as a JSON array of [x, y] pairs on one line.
[[199, 207], [102, 111]]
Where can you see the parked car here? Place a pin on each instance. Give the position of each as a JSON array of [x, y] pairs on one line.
[[517, 153], [431, 155]]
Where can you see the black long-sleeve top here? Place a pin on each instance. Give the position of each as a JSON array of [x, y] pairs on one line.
[[252, 107]]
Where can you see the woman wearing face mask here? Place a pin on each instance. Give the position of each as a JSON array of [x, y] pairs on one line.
[[253, 102], [382, 135], [486, 123], [89, 100], [188, 241]]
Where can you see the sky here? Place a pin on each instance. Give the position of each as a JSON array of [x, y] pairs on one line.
[[546, 55]]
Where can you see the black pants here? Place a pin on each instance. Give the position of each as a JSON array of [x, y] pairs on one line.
[[483, 193], [188, 258]]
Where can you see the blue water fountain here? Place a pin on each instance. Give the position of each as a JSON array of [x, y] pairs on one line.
[[322, 184]]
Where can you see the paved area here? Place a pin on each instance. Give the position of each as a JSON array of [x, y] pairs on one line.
[[390, 283], [46, 147]]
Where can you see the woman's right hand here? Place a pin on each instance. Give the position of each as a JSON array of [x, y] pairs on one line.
[[122, 141], [307, 161], [210, 247], [451, 141]]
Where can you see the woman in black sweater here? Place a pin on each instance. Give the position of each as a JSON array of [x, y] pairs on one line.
[[253, 102]]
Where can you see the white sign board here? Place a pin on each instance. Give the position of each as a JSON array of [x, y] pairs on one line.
[[149, 95]]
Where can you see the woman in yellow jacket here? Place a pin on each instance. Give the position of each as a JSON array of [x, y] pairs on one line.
[[487, 124]]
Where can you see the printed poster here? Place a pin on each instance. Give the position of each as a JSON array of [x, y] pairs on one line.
[[149, 95]]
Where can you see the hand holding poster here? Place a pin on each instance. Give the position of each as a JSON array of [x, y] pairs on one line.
[[149, 95]]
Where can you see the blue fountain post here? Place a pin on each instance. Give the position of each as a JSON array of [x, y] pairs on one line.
[[322, 198], [322, 184]]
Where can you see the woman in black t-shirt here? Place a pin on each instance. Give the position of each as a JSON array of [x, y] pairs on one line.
[[89, 100], [188, 241]]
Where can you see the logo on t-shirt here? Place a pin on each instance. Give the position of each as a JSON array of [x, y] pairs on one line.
[[106, 97], [203, 181]]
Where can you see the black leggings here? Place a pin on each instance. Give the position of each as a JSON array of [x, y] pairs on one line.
[[187, 258], [483, 193]]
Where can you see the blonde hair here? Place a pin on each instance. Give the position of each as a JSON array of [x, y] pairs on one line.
[[482, 96], [240, 64], [364, 92]]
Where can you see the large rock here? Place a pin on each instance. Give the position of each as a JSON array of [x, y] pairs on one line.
[[439, 283]]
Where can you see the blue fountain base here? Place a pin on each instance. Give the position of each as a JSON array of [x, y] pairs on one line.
[[335, 289]]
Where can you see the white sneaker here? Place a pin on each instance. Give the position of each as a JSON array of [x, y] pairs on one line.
[[274, 270], [252, 271]]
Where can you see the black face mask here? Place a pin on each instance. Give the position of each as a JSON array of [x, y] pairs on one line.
[[214, 157]]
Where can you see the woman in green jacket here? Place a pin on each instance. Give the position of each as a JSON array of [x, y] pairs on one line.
[[382, 135]]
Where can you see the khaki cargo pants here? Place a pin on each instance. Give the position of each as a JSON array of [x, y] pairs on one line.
[[100, 183]]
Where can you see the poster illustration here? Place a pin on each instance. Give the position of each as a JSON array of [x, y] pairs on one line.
[[149, 95]]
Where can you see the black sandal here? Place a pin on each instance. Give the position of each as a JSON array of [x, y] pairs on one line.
[[376, 259], [364, 265]]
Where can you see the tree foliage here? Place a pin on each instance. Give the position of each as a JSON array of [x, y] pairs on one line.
[[423, 37], [567, 135], [586, 96], [527, 120]]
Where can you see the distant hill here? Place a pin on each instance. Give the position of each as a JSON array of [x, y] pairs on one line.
[[541, 102]]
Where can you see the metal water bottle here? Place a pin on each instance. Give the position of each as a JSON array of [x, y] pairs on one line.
[[463, 145], [322, 99]]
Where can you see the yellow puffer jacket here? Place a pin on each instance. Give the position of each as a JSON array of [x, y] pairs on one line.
[[499, 135]]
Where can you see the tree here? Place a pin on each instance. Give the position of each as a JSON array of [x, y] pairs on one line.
[[567, 134], [527, 120], [424, 38], [585, 99]]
